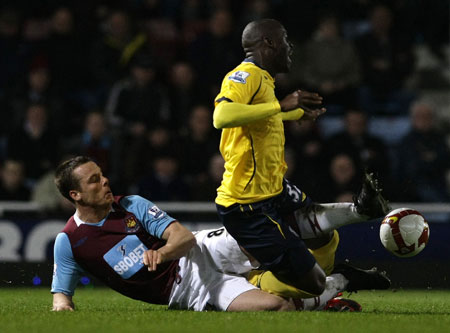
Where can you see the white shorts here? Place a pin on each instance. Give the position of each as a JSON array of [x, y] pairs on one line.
[[212, 273]]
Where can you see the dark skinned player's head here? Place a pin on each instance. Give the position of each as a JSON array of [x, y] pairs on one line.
[[266, 42]]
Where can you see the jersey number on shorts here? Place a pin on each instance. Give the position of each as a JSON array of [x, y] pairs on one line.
[[217, 232]]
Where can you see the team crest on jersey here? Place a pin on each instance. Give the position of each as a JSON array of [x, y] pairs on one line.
[[239, 77], [155, 211], [130, 222]]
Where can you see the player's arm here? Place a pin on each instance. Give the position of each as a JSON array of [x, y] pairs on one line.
[[293, 107], [65, 276], [158, 223], [231, 114], [179, 241]]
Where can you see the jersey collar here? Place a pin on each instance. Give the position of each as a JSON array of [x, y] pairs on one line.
[[257, 65], [79, 221]]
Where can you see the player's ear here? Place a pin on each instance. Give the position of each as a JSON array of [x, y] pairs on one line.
[[75, 195], [269, 42]]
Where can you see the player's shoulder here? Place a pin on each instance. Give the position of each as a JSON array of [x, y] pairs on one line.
[[140, 206], [133, 199], [244, 73]]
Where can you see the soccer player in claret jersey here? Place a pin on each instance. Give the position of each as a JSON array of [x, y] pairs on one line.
[[140, 251], [293, 238]]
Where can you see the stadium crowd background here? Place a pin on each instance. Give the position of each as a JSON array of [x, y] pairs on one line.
[[132, 84]]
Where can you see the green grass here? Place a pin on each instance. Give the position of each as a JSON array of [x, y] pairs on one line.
[[102, 310]]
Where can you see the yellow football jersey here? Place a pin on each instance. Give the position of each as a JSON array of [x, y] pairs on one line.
[[253, 153]]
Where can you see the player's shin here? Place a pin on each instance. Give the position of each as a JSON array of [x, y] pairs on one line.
[[320, 219], [303, 300]]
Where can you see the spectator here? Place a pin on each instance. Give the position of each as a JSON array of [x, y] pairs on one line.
[[184, 94], [308, 148], [198, 144], [368, 151], [139, 102], [424, 158], [214, 52], [205, 189], [335, 80], [37, 89], [344, 179], [34, 143], [163, 182], [46, 194], [12, 187], [114, 48], [67, 59], [13, 52], [387, 61], [95, 142], [141, 153]]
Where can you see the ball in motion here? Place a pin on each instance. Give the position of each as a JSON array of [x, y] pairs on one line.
[[404, 232]]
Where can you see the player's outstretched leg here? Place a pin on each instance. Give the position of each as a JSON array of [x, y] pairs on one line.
[[361, 279], [317, 220]]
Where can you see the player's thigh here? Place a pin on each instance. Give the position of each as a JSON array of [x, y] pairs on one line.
[[223, 251], [261, 230], [258, 300]]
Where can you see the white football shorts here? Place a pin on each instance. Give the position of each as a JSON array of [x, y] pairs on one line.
[[212, 273]]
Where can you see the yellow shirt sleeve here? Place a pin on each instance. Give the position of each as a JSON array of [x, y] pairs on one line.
[[233, 114], [293, 114]]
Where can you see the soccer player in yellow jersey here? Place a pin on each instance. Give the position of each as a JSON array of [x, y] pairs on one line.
[[270, 218]]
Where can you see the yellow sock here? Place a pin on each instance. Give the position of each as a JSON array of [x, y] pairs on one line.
[[265, 280], [325, 254]]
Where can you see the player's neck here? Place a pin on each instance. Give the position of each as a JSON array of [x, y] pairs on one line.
[[92, 214]]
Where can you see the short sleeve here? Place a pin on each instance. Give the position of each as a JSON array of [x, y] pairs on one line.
[[66, 271], [153, 219]]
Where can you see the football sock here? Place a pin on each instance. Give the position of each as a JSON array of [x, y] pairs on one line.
[[266, 281], [325, 254], [324, 218], [334, 284]]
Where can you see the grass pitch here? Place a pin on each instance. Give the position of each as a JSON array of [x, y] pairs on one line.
[[102, 310]]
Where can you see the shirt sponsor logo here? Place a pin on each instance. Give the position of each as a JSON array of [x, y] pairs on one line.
[[239, 77], [126, 257]]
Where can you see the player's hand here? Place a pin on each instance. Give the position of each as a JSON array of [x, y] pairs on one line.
[[152, 258], [301, 99], [312, 114], [62, 307], [62, 302]]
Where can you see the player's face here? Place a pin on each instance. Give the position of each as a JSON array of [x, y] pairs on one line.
[[284, 52], [94, 188]]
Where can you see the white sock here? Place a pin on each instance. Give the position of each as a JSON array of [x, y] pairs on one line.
[[335, 283], [324, 218]]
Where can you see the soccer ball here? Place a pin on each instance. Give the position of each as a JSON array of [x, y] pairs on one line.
[[404, 232]]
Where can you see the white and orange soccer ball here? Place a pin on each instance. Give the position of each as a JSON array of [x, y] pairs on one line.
[[404, 232]]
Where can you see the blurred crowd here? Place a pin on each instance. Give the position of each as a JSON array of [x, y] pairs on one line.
[[132, 84]]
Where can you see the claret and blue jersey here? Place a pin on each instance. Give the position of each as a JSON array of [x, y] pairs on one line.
[[123, 256]]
